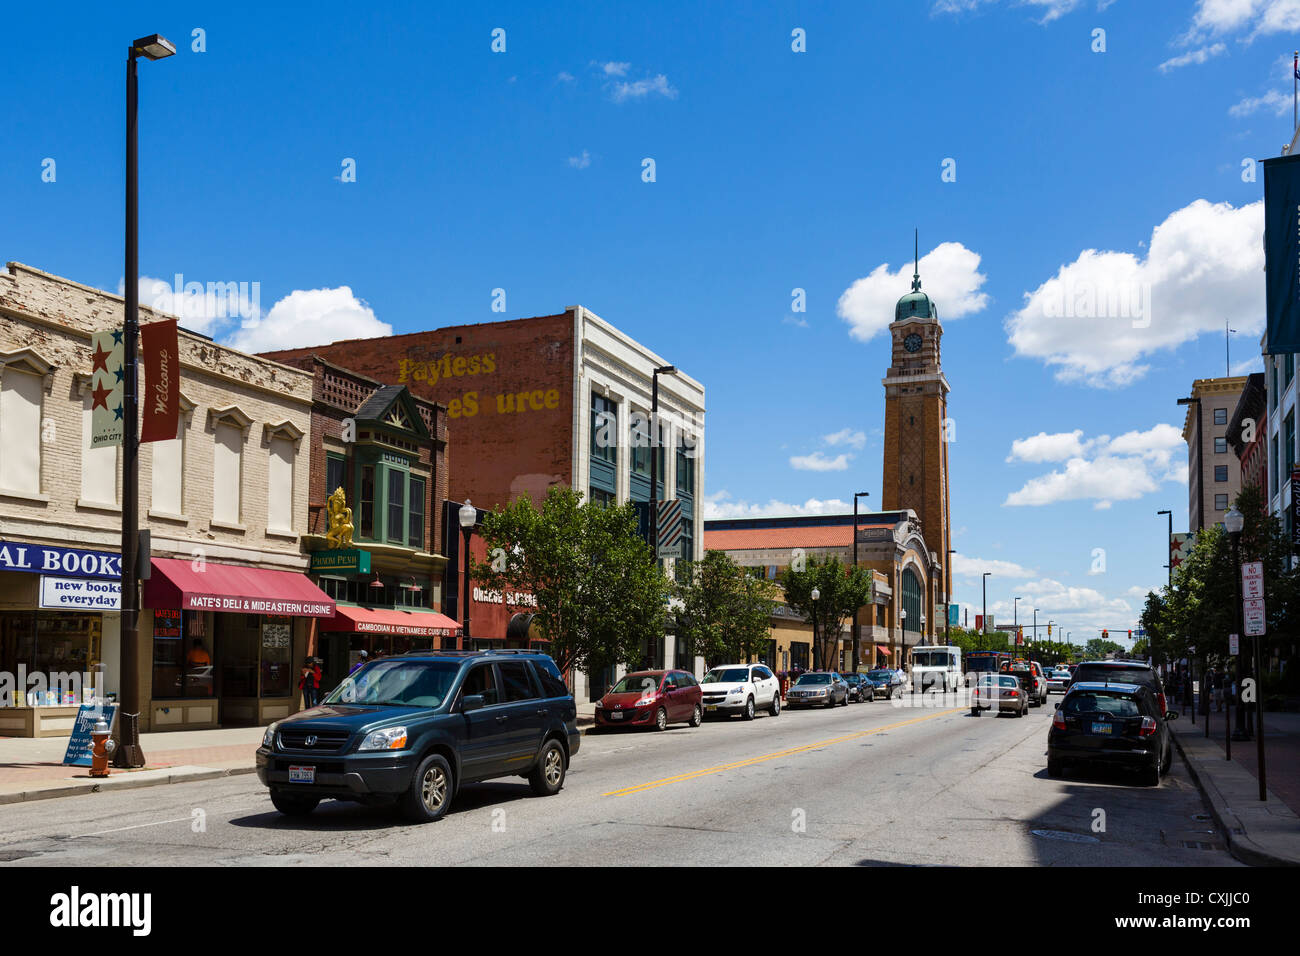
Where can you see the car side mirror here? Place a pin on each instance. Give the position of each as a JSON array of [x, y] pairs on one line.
[[1171, 715], [471, 702]]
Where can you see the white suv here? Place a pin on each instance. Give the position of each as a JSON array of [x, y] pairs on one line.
[[741, 689]]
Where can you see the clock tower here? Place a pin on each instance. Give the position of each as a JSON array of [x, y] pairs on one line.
[[916, 427]]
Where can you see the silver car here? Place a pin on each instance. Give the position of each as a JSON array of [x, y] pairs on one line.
[[818, 688], [1058, 681]]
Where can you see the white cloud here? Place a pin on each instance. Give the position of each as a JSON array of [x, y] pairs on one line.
[[719, 505], [949, 275], [1045, 447], [310, 317], [965, 567], [846, 436], [1277, 102], [1051, 9], [564, 76], [640, 89], [1101, 314], [615, 69], [580, 162], [796, 320], [1197, 56], [819, 462], [1254, 17], [1101, 469], [201, 307]]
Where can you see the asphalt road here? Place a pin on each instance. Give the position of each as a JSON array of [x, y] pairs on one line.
[[867, 784]]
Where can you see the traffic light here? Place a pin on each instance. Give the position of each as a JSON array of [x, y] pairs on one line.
[[1049, 630], [1105, 634], [1130, 635]]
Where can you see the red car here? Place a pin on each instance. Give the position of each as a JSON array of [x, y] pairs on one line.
[[652, 699]]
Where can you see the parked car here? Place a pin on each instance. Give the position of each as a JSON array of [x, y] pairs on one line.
[[1002, 693], [1125, 672], [413, 729], [652, 699], [1058, 680], [860, 688], [826, 688], [886, 682], [1113, 724], [1031, 675], [741, 689]]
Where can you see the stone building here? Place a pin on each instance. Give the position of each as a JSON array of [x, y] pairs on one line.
[[227, 611], [1213, 471]]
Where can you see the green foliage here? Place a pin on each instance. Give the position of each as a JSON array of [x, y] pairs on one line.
[[1096, 649], [842, 590], [600, 592], [725, 612]]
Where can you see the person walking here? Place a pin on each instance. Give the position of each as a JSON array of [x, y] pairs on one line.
[[307, 687], [316, 677]]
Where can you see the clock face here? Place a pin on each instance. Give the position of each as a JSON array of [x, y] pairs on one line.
[[912, 343]]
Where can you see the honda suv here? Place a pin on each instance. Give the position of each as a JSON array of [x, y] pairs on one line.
[[413, 729]]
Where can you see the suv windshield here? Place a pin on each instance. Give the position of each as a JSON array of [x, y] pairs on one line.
[[728, 676], [814, 679], [1100, 703], [636, 684], [397, 682]]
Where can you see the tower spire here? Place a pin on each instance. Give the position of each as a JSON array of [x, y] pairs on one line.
[[916, 260]]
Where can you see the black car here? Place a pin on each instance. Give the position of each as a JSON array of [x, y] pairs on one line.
[[885, 681], [1127, 672], [1111, 724], [413, 729], [860, 688]]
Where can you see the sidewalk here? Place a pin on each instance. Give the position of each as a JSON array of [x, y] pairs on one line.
[[1259, 833], [31, 768]]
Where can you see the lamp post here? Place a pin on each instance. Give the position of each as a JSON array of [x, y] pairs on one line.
[[654, 455], [902, 656], [468, 518], [1235, 522], [947, 608], [984, 584], [128, 753], [1015, 617], [1034, 636], [1169, 544], [817, 652], [857, 611]]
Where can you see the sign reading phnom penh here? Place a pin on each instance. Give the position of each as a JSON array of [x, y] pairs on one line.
[[107, 388], [1282, 253], [350, 560]]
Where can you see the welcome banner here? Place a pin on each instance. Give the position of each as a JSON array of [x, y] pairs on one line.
[[160, 398]]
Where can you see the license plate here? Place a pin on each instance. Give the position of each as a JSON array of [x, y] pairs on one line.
[[711, 707], [616, 715], [302, 774], [1101, 727]]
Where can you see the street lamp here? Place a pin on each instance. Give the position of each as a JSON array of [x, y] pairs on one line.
[[817, 653], [129, 753], [654, 455], [1169, 546], [857, 611], [1235, 522], [902, 655], [947, 608], [1035, 634], [468, 518]]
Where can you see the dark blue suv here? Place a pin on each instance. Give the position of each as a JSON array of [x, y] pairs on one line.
[[412, 729]]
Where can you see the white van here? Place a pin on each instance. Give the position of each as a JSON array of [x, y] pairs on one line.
[[936, 667]]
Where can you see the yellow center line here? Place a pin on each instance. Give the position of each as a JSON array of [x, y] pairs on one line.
[[641, 787]]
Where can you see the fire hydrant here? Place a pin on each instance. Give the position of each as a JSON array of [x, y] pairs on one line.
[[102, 748]]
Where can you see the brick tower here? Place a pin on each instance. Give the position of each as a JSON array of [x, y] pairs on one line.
[[916, 411]]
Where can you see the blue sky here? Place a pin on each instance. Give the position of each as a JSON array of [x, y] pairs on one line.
[[775, 170]]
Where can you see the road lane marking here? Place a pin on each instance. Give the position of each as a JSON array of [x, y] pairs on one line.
[[736, 765]]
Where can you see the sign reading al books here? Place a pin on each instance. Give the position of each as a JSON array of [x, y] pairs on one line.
[[107, 390], [345, 560]]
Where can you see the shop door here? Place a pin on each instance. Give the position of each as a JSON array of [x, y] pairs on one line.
[[333, 652]]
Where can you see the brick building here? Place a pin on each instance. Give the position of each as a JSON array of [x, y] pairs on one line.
[[225, 503], [387, 449], [560, 399], [1247, 433]]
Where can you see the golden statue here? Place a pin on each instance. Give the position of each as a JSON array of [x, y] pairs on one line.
[[339, 534]]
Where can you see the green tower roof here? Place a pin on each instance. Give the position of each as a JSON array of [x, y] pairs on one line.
[[916, 304]]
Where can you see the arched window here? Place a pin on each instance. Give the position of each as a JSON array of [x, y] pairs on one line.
[[911, 600]]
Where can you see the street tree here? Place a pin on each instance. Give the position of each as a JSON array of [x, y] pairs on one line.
[[725, 612], [842, 591], [600, 594]]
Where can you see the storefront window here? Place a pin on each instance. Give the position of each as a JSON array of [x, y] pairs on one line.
[[238, 637], [396, 504], [277, 650], [52, 643], [182, 655], [334, 474]]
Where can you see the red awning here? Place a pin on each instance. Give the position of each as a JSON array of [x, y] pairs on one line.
[[883, 649], [233, 589], [365, 620]]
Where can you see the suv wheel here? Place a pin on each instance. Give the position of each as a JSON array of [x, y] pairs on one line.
[[776, 704], [548, 775], [697, 716], [1053, 768], [429, 795], [294, 804], [661, 719], [1151, 775], [749, 708]]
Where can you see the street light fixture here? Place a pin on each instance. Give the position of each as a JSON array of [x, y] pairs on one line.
[[1169, 546], [947, 608], [984, 622], [129, 753], [857, 611], [902, 626], [817, 653], [468, 516]]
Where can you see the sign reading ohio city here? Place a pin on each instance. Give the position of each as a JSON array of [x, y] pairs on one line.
[[72, 562], [255, 605]]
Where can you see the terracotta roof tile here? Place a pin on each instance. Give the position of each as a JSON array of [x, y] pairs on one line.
[[753, 539]]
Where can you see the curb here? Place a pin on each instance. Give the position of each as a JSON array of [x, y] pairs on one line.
[[118, 783], [1241, 846]]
